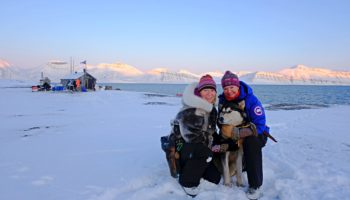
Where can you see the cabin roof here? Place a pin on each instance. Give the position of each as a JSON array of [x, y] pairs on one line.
[[75, 75]]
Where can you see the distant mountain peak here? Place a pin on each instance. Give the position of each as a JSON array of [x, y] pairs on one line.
[[4, 64], [7, 71], [121, 68], [300, 66]]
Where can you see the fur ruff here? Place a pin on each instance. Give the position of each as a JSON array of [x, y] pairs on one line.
[[191, 100]]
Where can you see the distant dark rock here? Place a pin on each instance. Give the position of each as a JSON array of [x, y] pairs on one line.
[[155, 95], [287, 106], [156, 103]]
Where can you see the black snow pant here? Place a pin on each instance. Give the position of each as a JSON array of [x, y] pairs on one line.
[[194, 165], [253, 159]]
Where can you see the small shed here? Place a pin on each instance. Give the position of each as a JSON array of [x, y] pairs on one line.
[[86, 80]]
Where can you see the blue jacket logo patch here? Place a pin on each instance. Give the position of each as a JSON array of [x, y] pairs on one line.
[[258, 110]]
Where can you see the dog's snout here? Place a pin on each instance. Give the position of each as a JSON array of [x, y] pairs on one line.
[[221, 119]]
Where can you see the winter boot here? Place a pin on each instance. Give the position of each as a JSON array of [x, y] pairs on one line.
[[253, 193], [191, 191]]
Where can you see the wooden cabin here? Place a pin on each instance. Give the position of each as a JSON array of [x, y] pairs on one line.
[[87, 81]]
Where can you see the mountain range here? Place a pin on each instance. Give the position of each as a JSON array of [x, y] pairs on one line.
[[124, 73]]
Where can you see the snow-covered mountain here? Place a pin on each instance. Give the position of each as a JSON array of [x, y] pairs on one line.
[[124, 73], [264, 78], [54, 70], [115, 72], [4, 64], [104, 72], [163, 75], [300, 75], [7, 71], [122, 69]]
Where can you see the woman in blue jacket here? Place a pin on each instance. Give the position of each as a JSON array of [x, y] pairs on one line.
[[237, 91]]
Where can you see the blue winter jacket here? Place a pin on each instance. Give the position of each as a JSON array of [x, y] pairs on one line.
[[253, 108]]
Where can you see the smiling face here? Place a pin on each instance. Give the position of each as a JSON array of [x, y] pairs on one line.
[[231, 92], [208, 94]]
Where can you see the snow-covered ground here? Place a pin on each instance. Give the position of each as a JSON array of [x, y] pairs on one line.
[[105, 145]]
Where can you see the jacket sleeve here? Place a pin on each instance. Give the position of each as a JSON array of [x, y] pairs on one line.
[[256, 114], [191, 126]]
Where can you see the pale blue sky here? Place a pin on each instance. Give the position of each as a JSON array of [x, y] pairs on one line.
[[181, 34]]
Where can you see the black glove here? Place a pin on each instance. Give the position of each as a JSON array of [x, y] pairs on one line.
[[219, 148]]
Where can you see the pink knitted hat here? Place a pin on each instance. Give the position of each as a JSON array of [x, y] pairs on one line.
[[206, 81], [229, 78]]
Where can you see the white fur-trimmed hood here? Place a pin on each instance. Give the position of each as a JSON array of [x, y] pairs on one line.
[[191, 100]]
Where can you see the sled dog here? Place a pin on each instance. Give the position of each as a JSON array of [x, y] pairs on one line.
[[230, 163]]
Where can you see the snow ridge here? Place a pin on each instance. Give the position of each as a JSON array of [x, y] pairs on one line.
[[124, 73], [300, 75]]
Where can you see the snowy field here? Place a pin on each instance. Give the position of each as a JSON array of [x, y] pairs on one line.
[[104, 145]]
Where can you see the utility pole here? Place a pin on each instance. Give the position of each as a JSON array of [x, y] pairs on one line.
[[71, 66]]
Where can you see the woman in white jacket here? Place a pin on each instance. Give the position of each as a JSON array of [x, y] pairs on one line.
[[197, 127]]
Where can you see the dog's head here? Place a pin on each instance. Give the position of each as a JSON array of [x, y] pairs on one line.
[[230, 117]]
